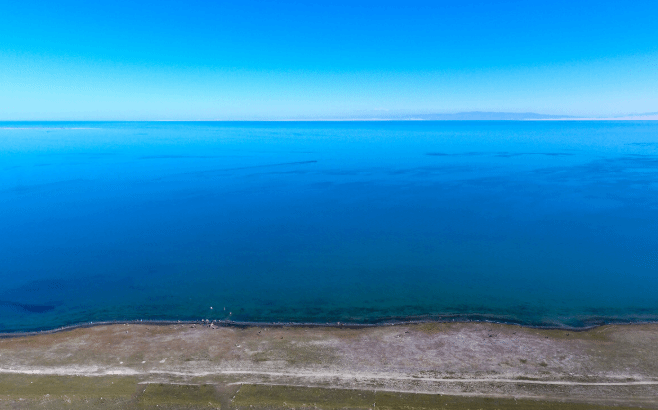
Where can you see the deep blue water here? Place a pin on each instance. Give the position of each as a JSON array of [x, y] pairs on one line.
[[539, 223]]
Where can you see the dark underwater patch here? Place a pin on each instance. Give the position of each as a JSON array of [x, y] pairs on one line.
[[178, 156], [28, 307], [502, 154]]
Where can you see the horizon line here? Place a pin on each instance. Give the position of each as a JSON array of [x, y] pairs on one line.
[[458, 116], [649, 118]]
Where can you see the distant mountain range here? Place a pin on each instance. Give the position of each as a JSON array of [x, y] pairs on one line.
[[460, 116], [483, 115]]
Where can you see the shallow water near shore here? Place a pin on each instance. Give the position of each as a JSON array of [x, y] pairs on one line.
[[537, 223]]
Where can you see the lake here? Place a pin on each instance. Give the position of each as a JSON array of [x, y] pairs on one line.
[[542, 223]]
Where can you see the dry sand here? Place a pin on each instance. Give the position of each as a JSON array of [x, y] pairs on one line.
[[609, 365]]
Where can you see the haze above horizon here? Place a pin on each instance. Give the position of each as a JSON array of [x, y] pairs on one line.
[[252, 60]]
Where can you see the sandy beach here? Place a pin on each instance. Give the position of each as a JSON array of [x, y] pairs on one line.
[[447, 365]]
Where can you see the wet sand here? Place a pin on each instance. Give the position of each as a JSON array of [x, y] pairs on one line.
[[471, 365]]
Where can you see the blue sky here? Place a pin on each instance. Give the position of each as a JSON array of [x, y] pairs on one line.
[[194, 60]]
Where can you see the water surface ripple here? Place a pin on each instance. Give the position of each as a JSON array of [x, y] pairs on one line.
[[537, 223]]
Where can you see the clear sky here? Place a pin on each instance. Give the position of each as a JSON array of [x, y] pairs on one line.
[[188, 60]]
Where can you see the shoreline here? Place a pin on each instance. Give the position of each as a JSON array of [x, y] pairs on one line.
[[337, 325], [268, 366]]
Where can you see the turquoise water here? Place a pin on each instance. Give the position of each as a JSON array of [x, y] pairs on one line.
[[538, 223]]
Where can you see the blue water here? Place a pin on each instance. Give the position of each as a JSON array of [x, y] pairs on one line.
[[539, 223]]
